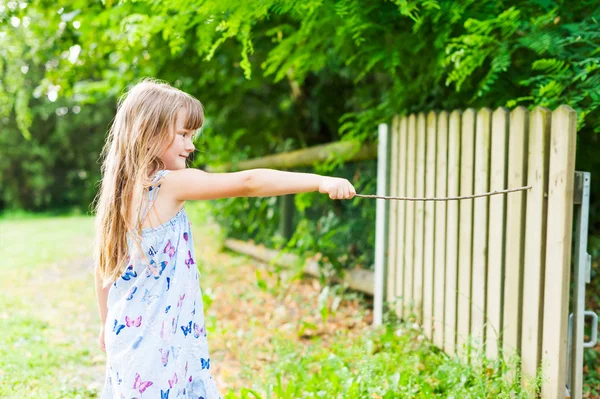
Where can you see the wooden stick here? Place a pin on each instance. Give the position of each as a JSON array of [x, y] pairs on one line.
[[446, 198]]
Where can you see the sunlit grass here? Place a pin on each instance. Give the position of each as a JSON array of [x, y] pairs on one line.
[[49, 324]]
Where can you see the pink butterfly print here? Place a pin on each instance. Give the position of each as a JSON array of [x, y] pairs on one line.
[[130, 293], [164, 357], [140, 385], [133, 322], [180, 300], [170, 249], [190, 260], [174, 381], [199, 330]]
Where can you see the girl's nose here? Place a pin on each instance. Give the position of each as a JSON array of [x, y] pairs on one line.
[[190, 146]]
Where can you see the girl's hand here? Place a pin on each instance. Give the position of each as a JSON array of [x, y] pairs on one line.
[[336, 187], [101, 340]]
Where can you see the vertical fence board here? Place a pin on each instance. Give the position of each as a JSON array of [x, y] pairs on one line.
[[381, 223], [467, 140], [558, 251], [480, 223], [515, 223], [439, 273], [535, 232], [428, 250], [410, 216], [496, 233], [419, 218], [392, 263], [401, 210], [452, 232]]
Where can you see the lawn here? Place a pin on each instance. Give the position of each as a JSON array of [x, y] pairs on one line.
[[272, 335]]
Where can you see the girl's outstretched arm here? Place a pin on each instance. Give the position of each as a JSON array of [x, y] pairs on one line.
[[194, 184]]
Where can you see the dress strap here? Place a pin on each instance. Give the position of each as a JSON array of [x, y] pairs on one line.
[[152, 193]]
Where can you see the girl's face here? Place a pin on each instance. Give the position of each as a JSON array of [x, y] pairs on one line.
[[174, 157]]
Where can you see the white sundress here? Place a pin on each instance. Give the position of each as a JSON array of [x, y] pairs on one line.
[[155, 335]]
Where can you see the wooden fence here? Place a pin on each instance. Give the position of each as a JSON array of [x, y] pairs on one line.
[[493, 271]]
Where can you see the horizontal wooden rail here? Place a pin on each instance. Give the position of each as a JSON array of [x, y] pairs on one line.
[[350, 150], [357, 279]]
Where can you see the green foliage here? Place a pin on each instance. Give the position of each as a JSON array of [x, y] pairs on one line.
[[343, 232], [391, 362], [277, 75]]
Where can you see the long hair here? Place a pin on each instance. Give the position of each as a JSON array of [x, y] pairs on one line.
[[143, 127]]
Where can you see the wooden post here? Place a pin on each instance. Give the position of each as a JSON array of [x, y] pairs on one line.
[[465, 235], [429, 237], [496, 233], [419, 218], [480, 225], [558, 251], [381, 224], [392, 264], [351, 150], [439, 272], [409, 249], [515, 224], [402, 228], [535, 246], [452, 233]]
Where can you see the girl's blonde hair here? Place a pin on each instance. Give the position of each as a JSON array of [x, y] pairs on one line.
[[143, 127]]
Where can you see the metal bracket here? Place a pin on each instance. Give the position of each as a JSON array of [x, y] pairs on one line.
[[588, 275], [594, 339], [581, 276]]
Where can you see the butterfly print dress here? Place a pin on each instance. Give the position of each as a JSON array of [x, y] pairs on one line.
[[155, 335]]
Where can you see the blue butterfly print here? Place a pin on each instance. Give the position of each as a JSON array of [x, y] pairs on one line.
[[167, 309], [151, 251], [175, 352], [131, 291], [164, 394], [187, 330], [137, 342], [205, 363], [149, 299], [174, 324], [117, 328], [152, 270], [129, 273], [168, 283]]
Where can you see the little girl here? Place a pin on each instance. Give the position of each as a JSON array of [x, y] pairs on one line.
[[153, 329]]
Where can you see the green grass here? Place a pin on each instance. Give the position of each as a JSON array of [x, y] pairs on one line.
[[49, 324], [388, 362], [33, 242]]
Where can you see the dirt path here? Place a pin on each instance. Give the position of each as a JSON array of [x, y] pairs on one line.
[[245, 318], [244, 313]]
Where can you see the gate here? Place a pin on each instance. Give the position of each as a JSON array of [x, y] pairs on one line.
[[496, 270]]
